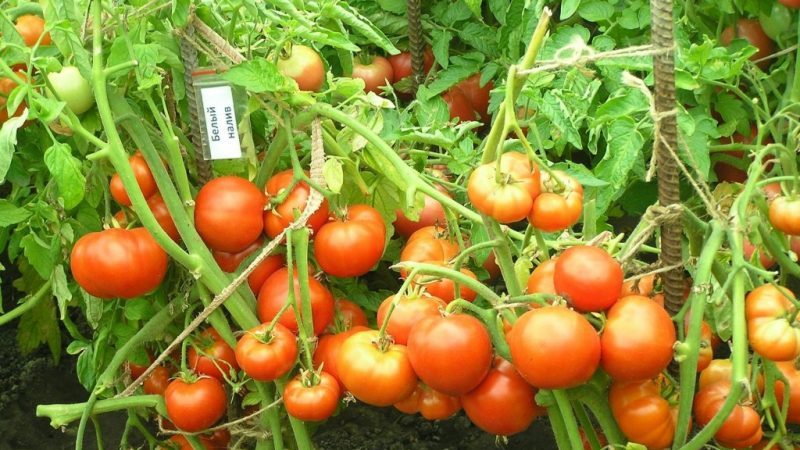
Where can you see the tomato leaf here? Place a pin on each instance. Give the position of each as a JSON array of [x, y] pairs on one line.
[[87, 375], [66, 171], [180, 12], [475, 7], [11, 214], [333, 174], [568, 8], [441, 46], [596, 10], [61, 290], [259, 75], [625, 144], [8, 142], [93, 308], [138, 309], [394, 6], [39, 326], [38, 254]]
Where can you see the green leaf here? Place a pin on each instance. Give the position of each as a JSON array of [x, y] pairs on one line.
[[697, 128], [10, 214], [39, 326], [625, 144], [449, 78], [8, 142], [475, 7], [596, 10], [66, 171], [87, 375], [61, 290], [180, 12], [259, 75], [38, 254], [394, 6], [138, 309], [480, 36], [554, 108], [333, 174], [568, 8], [93, 308], [441, 46]]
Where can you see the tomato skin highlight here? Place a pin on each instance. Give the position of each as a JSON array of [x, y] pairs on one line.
[[451, 354], [278, 217], [305, 66], [275, 292], [268, 360], [637, 339], [376, 75], [229, 203], [215, 352], [230, 262], [554, 347], [375, 376], [642, 414], [409, 311], [144, 178], [195, 406], [504, 403], [353, 246], [311, 403], [771, 335], [31, 27], [589, 278], [118, 263]]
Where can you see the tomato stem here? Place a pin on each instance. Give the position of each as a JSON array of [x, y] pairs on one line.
[[586, 425], [397, 297], [62, 415], [302, 308], [490, 320], [29, 304]]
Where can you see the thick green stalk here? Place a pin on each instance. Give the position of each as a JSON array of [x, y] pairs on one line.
[[559, 430], [63, 415], [691, 347], [565, 408], [600, 409], [271, 418], [490, 320]]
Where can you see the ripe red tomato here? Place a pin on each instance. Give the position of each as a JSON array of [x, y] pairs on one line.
[[275, 293], [136, 370], [642, 414], [230, 262], [751, 31], [349, 314], [311, 403], [428, 244], [643, 286], [159, 209], [503, 404], [229, 203], [304, 65], [219, 439], [378, 374], [444, 288], [554, 347], [771, 333], [706, 353], [362, 230], [278, 217], [376, 74], [541, 279], [477, 95], [793, 376], [156, 383], [557, 211], [179, 442], [408, 312], [31, 28], [144, 178], [118, 263], [327, 352], [763, 257], [195, 406], [588, 277], [451, 354], [6, 86], [794, 4], [458, 105], [510, 199], [212, 356], [784, 214], [637, 339], [401, 64], [432, 404], [728, 172], [266, 356], [432, 214], [741, 429]]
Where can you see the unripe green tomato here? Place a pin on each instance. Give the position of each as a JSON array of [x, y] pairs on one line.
[[777, 22], [73, 89]]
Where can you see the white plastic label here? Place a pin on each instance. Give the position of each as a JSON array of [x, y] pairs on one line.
[[220, 121]]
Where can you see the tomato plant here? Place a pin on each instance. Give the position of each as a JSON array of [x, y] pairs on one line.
[[264, 354], [212, 356], [505, 192], [363, 229], [279, 216], [588, 277], [195, 406], [312, 402], [274, 294], [376, 75], [71, 87]]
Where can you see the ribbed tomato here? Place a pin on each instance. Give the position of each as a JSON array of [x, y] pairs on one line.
[[430, 403], [444, 288], [772, 328], [510, 198], [742, 427], [642, 414], [557, 208]]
